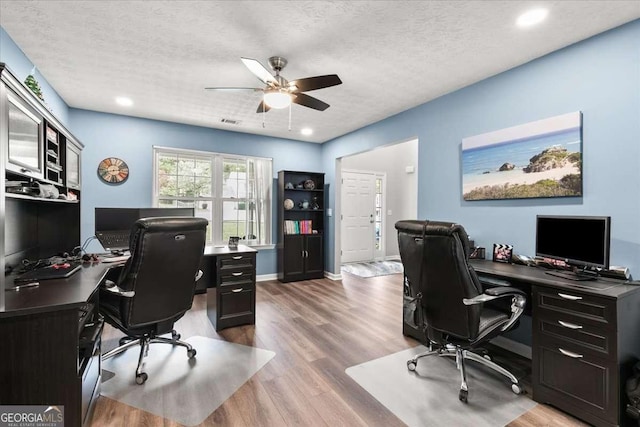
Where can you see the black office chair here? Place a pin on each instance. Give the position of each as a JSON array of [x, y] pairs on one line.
[[451, 299], [156, 285]]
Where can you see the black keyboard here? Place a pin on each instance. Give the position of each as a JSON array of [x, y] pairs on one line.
[[114, 239], [571, 276]]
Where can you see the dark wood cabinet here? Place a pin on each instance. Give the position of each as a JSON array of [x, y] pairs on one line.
[[583, 350], [585, 340], [302, 257], [50, 332], [300, 225], [232, 301], [51, 349]]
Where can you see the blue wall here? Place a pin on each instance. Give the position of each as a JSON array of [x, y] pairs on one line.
[[599, 76], [132, 139], [21, 67]]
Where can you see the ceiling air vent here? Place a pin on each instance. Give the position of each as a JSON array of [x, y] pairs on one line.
[[230, 121]]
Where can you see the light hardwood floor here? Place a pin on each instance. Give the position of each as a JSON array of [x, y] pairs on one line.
[[317, 328]]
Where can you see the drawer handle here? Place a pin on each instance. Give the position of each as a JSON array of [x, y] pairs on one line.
[[570, 354], [569, 297], [237, 257], [236, 290], [569, 325], [237, 274]]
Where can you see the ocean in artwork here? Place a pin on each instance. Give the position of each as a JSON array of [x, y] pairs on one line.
[[524, 163]]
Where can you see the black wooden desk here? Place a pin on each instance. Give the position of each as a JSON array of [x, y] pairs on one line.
[[51, 344], [586, 338]]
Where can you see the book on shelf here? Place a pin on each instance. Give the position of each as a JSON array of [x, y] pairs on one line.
[[298, 227]]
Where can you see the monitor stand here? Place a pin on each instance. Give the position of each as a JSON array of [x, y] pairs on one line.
[[578, 277]]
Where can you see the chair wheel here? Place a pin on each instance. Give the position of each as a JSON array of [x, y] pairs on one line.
[[175, 335], [411, 365], [191, 353], [141, 378], [463, 395], [486, 356], [516, 388]]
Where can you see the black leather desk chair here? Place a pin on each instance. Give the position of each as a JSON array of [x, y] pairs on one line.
[[156, 285], [435, 257]]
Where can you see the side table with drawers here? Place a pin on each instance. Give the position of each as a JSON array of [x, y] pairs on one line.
[[232, 301]]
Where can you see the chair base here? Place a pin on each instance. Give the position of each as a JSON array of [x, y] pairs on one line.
[[461, 355], [128, 342]]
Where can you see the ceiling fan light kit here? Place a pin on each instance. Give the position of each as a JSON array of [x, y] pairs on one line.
[[277, 98], [280, 93]]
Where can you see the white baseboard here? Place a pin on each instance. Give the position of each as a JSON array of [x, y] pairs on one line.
[[274, 276], [513, 346], [331, 276], [266, 277], [392, 258]]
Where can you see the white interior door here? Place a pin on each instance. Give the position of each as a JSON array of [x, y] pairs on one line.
[[358, 208]]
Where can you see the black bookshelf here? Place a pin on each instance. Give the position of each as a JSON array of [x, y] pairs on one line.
[[300, 225]]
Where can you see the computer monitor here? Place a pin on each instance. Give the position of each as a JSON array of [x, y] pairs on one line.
[[581, 241], [113, 225]]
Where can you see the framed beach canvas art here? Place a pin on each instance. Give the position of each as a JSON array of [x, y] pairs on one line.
[[535, 159]]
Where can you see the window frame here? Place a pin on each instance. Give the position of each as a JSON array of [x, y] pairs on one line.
[[217, 198]]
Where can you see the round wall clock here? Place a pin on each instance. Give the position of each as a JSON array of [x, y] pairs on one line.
[[113, 170]]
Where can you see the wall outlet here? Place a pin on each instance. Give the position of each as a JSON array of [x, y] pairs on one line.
[[389, 213]]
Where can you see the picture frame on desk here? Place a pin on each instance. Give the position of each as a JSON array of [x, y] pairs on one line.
[[502, 253], [233, 242]]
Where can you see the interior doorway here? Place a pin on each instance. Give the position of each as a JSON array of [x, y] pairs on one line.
[[375, 189]]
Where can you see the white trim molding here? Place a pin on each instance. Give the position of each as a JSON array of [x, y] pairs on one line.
[[266, 277], [332, 276]]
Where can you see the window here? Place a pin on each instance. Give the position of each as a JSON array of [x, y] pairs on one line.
[[232, 192], [378, 219]]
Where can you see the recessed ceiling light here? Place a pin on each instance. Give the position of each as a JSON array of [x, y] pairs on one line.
[[532, 17], [306, 131], [124, 101]]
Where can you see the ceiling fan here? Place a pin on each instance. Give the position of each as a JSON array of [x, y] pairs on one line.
[[279, 92]]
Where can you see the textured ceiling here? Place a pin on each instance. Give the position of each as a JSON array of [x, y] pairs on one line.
[[390, 55]]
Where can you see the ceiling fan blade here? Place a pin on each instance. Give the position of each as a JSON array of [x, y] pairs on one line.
[[255, 89], [310, 101], [313, 83], [262, 107], [260, 71]]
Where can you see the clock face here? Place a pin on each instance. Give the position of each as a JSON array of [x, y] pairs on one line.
[[113, 170]]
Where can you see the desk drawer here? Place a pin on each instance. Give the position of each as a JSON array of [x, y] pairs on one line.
[[238, 302], [597, 310], [597, 341], [236, 260], [234, 276], [572, 379]]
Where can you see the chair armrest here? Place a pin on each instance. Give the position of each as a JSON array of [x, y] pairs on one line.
[[518, 301], [111, 287], [494, 293], [500, 291]]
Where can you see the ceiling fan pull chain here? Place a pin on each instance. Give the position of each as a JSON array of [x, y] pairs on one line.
[[264, 115], [289, 117]]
